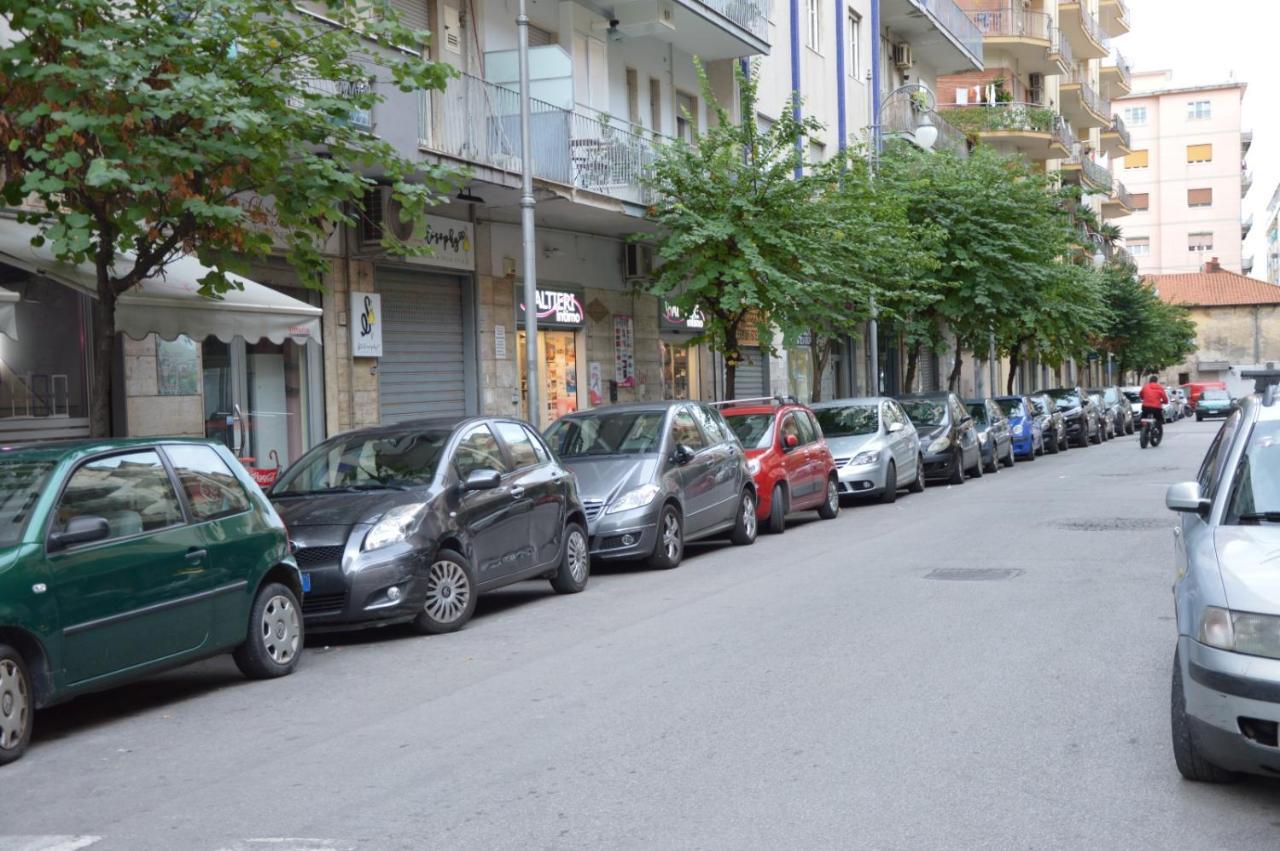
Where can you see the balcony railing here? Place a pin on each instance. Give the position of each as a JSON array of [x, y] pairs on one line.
[[998, 117], [479, 122], [1246, 225], [1098, 175], [1120, 194], [901, 116], [341, 90], [955, 21], [1062, 47], [1093, 101], [748, 14], [1090, 24], [1013, 23], [1246, 182], [1246, 140], [1121, 65], [1117, 127]]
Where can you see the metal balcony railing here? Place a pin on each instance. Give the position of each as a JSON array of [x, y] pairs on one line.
[[956, 21], [1120, 194], [1246, 225], [1117, 127], [1093, 101], [901, 116], [751, 15], [997, 117], [1013, 23], [1090, 24], [1098, 175], [1062, 47], [1063, 134], [1246, 183], [341, 90], [1121, 65], [479, 122]]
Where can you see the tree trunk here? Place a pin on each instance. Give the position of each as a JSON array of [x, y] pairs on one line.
[[1015, 356], [821, 354], [731, 357], [104, 347], [953, 380], [913, 360]]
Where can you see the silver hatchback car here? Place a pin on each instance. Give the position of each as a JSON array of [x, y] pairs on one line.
[[875, 446], [1225, 702]]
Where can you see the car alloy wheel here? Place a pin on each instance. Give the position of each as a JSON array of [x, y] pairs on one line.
[[749, 515], [576, 554], [281, 629], [829, 509], [448, 592], [671, 544], [15, 705]]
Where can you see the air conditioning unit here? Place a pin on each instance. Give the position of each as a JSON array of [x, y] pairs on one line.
[[902, 56], [639, 260], [381, 216]]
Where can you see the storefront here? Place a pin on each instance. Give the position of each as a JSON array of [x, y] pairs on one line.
[[561, 339], [681, 358]]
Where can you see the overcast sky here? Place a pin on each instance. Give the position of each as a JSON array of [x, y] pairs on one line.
[[1208, 42]]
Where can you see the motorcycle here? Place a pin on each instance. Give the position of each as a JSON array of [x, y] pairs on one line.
[[1152, 432]]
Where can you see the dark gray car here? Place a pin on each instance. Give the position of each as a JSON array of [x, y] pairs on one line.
[[1078, 413], [656, 475], [948, 437], [1052, 423], [994, 437]]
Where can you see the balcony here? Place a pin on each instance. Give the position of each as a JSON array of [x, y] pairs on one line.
[[478, 122], [1118, 203], [1115, 139], [1082, 105], [1029, 129], [1246, 142], [1114, 16], [1081, 29], [1246, 182], [1060, 51], [938, 31], [1083, 170], [1247, 265], [1246, 226], [710, 29], [902, 118], [1116, 73], [1024, 36]]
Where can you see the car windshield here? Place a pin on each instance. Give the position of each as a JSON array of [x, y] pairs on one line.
[[1255, 496], [615, 433], [1218, 395], [926, 412], [369, 461], [1133, 395], [1012, 407], [849, 420], [754, 431], [1111, 396], [1042, 406], [1065, 400], [1097, 399], [979, 412], [21, 481]]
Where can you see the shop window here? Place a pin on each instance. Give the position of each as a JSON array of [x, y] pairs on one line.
[[678, 362], [43, 387]]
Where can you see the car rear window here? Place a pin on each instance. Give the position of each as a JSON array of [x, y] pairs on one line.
[[21, 482], [926, 412], [1012, 407], [848, 420], [754, 431]]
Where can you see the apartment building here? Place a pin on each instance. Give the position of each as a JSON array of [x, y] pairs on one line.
[[1187, 173], [1272, 240]]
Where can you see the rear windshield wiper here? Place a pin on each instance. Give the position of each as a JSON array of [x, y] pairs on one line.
[[1260, 516]]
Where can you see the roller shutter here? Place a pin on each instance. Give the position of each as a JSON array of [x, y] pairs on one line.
[[749, 377], [421, 373]]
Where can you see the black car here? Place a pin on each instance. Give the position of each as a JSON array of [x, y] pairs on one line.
[[409, 522], [995, 438], [1117, 409], [1052, 422], [948, 437], [1079, 415], [1106, 423]]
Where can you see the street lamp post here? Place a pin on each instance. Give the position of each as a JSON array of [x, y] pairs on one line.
[[526, 228]]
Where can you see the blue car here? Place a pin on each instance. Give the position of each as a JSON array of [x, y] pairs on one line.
[[1025, 425]]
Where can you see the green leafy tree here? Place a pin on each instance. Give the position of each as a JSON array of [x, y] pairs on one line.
[[742, 239], [149, 130], [1146, 334]]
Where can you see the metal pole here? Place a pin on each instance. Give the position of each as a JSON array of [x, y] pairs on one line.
[[873, 346], [873, 330], [532, 393], [991, 365]]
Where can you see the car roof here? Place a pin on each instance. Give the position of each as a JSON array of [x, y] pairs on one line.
[[663, 405], [56, 450], [863, 401], [753, 408], [942, 394]]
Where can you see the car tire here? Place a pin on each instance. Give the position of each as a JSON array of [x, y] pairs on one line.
[[777, 511], [890, 493], [745, 526], [1008, 455], [274, 643], [957, 467], [830, 508], [575, 561], [668, 549], [450, 579], [17, 705], [917, 486], [976, 471], [994, 466], [1191, 764], [1052, 446], [1199, 418]]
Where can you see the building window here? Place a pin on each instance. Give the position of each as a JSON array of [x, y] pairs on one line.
[[1199, 153], [686, 116], [853, 39], [1135, 116], [1199, 197], [1137, 159], [1140, 200], [1198, 110], [655, 104], [1197, 242], [633, 96], [817, 152], [1139, 246], [814, 38]]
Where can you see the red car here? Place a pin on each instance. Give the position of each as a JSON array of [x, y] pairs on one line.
[[787, 456]]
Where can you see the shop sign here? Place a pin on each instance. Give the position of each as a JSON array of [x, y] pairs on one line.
[[555, 308], [749, 329], [500, 342], [365, 320], [452, 243], [674, 317], [624, 352]]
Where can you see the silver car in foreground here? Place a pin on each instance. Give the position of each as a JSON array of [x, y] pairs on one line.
[[1225, 702], [874, 444]]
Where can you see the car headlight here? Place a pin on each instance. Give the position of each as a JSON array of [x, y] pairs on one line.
[[1240, 632], [637, 498], [753, 465], [394, 526], [940, 444], [868, 457]]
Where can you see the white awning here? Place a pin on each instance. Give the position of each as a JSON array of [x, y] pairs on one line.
[[9, 313], [171, 304]]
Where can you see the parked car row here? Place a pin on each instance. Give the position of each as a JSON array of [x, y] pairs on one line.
[[121, 558]]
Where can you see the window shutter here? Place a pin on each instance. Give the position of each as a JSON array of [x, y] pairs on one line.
[[1141, 200], [413, 13], [1137, 159], [1199, 197], [1199, 153]]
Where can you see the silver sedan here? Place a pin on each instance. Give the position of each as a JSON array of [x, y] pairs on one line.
[[875, 446]]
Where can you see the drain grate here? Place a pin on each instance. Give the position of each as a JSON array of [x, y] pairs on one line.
[[973, 574], [1111, 524]]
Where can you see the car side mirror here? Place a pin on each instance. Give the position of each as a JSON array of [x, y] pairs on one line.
[[80, 530], [482, 480], [682, 454], [894, 428], [790, 441], [1186, 496]]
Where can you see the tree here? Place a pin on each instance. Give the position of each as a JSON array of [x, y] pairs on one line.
[[741, 235], [1145, 333], [159, 128]]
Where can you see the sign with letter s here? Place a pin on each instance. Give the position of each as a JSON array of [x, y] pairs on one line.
[[366, 325]]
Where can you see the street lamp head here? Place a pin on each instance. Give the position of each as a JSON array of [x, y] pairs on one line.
[[926, 134]]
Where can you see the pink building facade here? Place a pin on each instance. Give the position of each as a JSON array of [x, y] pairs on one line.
[[1186, 172]]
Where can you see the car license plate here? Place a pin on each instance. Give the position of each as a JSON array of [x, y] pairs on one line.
[[306, 583]]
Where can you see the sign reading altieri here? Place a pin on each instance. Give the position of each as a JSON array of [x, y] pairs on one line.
[[555, 308]]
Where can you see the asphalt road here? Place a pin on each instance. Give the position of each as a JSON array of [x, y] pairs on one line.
[[816, 690]]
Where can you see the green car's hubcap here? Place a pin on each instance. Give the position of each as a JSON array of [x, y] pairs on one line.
[[14, 705]]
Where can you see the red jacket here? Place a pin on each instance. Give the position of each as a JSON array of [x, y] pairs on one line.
[[1153, 395]]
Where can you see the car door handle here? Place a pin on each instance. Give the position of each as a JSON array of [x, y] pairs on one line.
[[517, 491], [196, 554]]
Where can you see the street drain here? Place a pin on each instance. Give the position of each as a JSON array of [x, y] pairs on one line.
[[973, 574], [1112, 524]]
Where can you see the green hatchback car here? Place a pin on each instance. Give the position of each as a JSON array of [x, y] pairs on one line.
[[120, 558]]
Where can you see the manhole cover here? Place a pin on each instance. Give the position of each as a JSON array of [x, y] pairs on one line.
[[1111, 524], [973, 574]]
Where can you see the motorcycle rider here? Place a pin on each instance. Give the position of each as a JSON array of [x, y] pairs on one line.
[[1153, 401]]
